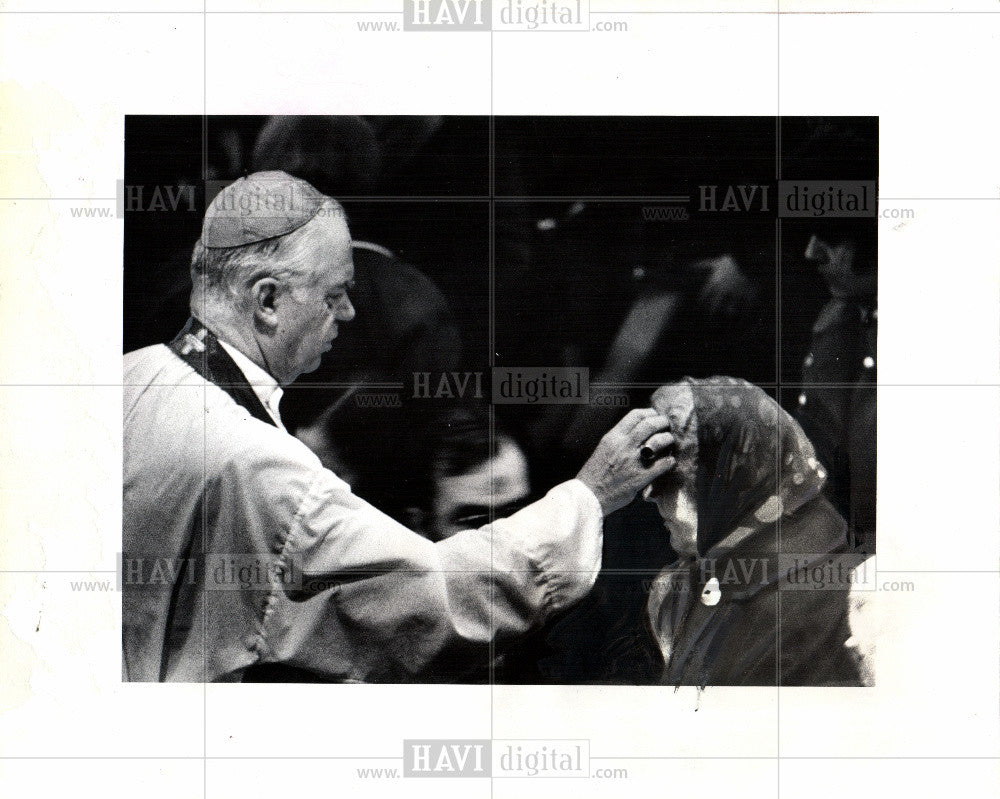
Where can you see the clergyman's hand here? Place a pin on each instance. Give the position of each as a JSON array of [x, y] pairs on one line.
[[615, 472]]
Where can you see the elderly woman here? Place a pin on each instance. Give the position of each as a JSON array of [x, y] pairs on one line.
[[757, 596]]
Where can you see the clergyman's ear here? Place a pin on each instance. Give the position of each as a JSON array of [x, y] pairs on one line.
[[264, 295]]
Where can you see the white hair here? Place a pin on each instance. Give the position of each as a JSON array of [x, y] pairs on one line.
[[222, 276]]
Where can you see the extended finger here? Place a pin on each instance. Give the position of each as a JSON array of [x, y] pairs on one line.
[[649, 426]]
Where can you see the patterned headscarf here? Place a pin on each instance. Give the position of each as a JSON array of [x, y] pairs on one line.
[[751, 461]]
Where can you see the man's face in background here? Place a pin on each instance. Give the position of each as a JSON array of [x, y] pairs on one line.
[[837, 263], [463, 501]]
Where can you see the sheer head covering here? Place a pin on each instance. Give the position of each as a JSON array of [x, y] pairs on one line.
[[750, 462]]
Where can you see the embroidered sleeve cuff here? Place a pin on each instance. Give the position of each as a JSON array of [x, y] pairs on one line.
[[562, 536]]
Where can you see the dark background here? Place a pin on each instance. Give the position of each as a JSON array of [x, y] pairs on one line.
[[574, 282]]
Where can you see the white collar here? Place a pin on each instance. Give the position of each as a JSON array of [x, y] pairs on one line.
[[264, 386]]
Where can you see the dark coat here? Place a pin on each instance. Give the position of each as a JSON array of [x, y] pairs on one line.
[[837, 407], [766, 615]]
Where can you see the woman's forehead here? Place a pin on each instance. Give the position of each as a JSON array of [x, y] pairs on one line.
[[676, 402]]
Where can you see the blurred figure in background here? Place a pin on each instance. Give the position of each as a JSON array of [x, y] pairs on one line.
[[699, 305], [404, 326], [836, 261], [837, 404], [339, 155], [404, 322], [637, 302]]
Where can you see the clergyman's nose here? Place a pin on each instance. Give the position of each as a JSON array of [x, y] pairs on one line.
[[347, 312]]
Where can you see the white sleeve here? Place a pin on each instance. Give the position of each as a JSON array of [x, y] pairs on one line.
[[378, 600]]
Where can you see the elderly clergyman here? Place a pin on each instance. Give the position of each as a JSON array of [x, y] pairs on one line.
[[243, 558]]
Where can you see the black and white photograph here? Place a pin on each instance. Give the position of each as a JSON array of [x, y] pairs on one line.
[[499, 398]]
